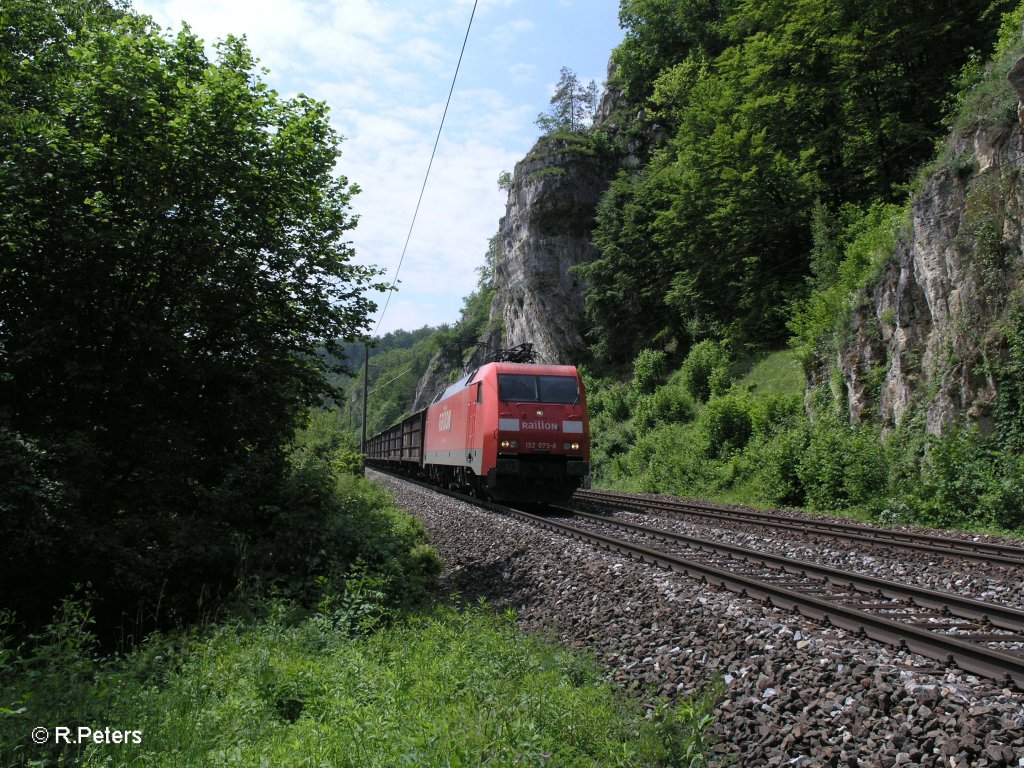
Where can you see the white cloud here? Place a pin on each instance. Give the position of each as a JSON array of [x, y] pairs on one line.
[[459, 213], [506, 34], [385, 67], [521, 72]]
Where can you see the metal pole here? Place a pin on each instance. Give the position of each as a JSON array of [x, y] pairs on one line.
[[366, 389]]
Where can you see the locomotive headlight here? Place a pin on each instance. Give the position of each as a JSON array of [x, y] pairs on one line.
[[570, 446], [508, 443]]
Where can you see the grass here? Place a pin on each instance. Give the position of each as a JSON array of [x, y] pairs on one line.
[[778, 373], [361, 679], [444, 688]]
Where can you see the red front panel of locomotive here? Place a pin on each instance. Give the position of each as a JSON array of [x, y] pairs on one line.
[[541, 411], [513, 427]]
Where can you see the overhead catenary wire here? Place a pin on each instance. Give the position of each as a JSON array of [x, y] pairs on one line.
[[426, 176], [396, 378]]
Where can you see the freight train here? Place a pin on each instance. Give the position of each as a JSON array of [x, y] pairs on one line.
[[508, 431]]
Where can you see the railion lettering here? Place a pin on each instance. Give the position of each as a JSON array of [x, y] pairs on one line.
[[539, 425]]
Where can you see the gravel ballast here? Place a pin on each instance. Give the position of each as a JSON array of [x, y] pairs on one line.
[[997, 583], [795, 692]]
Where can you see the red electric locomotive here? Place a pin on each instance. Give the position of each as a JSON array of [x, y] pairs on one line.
[[509, 431]]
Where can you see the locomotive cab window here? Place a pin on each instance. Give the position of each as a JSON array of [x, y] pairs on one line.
[[558, 389], [514, 386], [537, 389]]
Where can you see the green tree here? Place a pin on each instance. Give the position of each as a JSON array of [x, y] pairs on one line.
[[572, 107], [764, 108], [173, 259], [660, 34], [632, 269]]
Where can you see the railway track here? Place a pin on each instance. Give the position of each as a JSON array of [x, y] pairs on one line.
[[975, 636], [990, 634], [977, 551]]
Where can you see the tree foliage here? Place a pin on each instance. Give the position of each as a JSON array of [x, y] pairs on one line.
[[572, 107], [661, 34], [173, 258], [758, 112]]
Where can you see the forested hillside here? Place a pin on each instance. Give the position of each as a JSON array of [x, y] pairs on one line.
[[397, 361], [836, 178], [763, 121]]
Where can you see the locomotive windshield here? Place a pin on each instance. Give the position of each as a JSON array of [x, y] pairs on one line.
[[537, 389]]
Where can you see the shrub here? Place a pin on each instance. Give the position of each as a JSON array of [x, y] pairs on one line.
[[324, 526], [608, 440], [644, 414], [705, 371], [605, 396], [616, 402], [1002, 501], [842, 466], [649, 369], [866, 466], [777, 459], [965, 480], [726, 423], [673, 404], [52, 678], [821, 471], [669, 459], [325, 442], [774, 412], [669, 404]]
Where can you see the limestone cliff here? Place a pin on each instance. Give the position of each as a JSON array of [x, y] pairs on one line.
[[925, 335], [546, 230]]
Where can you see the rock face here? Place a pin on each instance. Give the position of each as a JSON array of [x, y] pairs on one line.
[[1016, 79], [922, 338], [546, 230]]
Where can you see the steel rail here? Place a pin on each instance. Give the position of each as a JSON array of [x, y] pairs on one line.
[[990, 663], [987, 662], [983, 552], [964, 607]]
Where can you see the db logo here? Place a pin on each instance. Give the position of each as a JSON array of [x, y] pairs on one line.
[[444, 421]]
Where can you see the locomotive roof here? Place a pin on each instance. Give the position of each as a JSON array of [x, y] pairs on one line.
[[535, 369]]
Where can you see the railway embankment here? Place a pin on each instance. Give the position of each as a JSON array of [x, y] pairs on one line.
[[793, 692]]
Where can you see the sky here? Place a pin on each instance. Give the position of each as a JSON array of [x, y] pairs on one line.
[[384, 67]]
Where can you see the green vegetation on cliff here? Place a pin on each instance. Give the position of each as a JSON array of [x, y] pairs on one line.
[[763, 111], [786, 136]]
